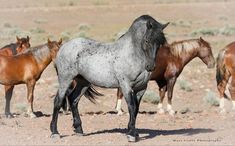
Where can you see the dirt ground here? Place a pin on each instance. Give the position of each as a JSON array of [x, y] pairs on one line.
[[105, 20]]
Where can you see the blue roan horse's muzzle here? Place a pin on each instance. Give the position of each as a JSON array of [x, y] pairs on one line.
[[150, 67]]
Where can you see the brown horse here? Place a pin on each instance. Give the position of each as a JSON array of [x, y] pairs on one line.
[[170, 62], [224, 70], [26, 68], [15, 48]]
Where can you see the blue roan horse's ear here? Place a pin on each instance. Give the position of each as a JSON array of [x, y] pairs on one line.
[[149, 24], [165, 25]]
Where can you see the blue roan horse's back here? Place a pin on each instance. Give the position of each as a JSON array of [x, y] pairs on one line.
[[92, 59]]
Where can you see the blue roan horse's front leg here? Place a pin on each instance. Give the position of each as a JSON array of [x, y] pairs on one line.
[[133, 108]]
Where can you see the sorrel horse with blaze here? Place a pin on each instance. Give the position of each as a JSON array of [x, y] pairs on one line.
[[170, 62], [224, 70], [26, 68]]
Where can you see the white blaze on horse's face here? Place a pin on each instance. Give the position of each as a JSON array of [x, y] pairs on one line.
[[152, 41]]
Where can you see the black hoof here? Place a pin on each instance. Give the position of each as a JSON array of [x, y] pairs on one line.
[[79, 132], [55, 136], [131, 138]]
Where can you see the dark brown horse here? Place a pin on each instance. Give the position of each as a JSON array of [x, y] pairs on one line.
[[26, 68], [15, 48], [170, 61], [224, 70]]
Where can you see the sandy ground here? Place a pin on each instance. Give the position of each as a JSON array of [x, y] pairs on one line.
[[201, 125]]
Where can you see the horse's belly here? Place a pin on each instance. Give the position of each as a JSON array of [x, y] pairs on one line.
[[98, 72]]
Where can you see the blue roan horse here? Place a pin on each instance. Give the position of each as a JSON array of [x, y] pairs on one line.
[[126, 64]]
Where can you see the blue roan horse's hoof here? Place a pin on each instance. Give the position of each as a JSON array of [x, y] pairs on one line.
[[55, 136], [79, 134], [132, 138]]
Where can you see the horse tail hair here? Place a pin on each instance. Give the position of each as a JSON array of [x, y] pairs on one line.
[[220, 69], [92, 93]]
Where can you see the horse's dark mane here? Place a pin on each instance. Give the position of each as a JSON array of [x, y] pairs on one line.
[[141, 18], [13, 46], [144, 18], [39, 52], [34, 49]]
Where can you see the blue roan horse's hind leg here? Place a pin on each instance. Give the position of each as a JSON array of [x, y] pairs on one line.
[[64, 85], [74, 98]]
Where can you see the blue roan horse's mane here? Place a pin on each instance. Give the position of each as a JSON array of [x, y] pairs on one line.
[[144, 19]]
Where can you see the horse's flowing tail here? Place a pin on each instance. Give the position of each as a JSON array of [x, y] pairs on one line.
[[220, 69], [91, 94]]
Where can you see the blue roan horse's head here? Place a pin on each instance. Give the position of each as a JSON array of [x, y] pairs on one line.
[[152, 37]]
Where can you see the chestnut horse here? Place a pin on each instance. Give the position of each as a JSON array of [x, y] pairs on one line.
[[12, 49], [170, 62], [224, 70], [26, 68]]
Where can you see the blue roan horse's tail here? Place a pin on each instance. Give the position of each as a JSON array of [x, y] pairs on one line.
[[90, 94]]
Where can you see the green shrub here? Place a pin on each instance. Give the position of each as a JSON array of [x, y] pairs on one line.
[[151, 97], [227, 30], [205, 32], [211, 99], [181, 23], [21, 107], [40, 21], [7, 25], [99, 2], [82, 34], [37, 30], [185, 85], [84, 27], [66, 35]]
